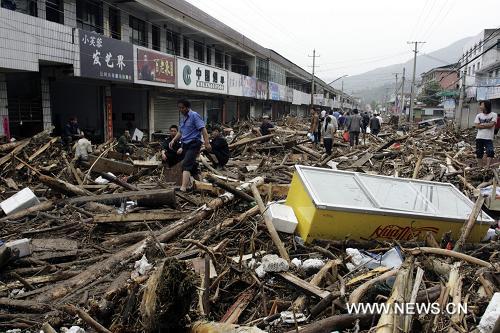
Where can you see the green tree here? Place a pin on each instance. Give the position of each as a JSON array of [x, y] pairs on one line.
[[429, 95]]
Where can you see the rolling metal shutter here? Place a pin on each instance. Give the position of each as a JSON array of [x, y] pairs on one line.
[[166, 114]]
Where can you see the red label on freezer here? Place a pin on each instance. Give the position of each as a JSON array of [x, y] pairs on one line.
[[400, 233]]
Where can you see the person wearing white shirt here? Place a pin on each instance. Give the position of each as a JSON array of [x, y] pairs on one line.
[[83, 148], [485, 123]]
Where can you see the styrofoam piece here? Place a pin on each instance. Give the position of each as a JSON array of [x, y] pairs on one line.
[[72, 329], [19, 201], [490, 315], [297, 262], [260, 271], [273, 263], [290, 318], [102, 181], [22, 246], [283, 218], [141, 267], [138, 135], [313, 264], [490, 234]]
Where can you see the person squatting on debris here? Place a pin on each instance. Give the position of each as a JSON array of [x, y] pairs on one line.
[[353, 127], [266, 127], [220, 148], [173, 155], [485, 123], [328, 130], [71, 132], [374, 125], [191, 131], [83, 149], [123, 144], [314, 129]]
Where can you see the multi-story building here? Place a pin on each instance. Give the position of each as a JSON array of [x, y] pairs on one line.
[[445, 76], [481, 67], [119, 65]]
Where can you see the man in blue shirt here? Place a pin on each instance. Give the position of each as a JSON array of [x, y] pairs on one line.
[[191, 130]]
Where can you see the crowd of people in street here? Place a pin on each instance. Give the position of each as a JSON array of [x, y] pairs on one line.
[[325, 125]]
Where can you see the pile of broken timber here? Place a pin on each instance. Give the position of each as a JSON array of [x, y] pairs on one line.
[[86, 240]]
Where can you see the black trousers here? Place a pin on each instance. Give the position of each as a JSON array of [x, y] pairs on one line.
[[354, 138], [191, 151], [328, 143]]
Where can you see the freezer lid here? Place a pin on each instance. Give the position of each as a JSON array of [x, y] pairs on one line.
[[357, 191]]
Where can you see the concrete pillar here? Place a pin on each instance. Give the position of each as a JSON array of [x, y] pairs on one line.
[[125, 26], [163, 40], [105, 20], [70, 13], [191, 49], [212, 62], [252, 65], [252, 111], [4, 112], [149, 33], [151, 113], [46, 109], [41, 8], [181, 45]]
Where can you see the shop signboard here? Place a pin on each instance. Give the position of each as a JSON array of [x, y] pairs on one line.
[[282, 94], [235, 84], [105, 58], [261, 89], [318, 99], [196, 76], [274, 91], [154, 68], [249, 86], [301, 98]]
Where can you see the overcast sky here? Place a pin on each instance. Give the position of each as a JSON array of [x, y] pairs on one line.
[[353, 36]]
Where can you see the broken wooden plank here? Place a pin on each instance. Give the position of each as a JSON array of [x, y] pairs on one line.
[[250, 140], [62, 187], [145, 198], [361, 161], [146, 164], [16, 150], [236, 309], [138, 217], [304, 285], [53, 244], [43, 206], [108, 165], [38, 152]]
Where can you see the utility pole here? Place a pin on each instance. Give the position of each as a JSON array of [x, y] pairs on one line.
[[314, 56], [412, 90], [342, 98], [458, 115], [403, 92], [396, 91]]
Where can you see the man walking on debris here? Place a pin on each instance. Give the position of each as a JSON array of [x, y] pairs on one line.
[[374, 125], [192, 129], [314, 129], [485, 123], [353, 127], [174, 155], [328, 130]]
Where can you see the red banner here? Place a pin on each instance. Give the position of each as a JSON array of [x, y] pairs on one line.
[[109, 117], [155, 67]]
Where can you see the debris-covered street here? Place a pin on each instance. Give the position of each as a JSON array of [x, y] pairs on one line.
[[129, 252]]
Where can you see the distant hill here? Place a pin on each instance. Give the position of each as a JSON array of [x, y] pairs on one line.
[[372, 84]]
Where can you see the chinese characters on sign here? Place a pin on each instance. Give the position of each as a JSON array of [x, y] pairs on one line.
[[200, 77], [105, 58], [261, 89], [155, 67]]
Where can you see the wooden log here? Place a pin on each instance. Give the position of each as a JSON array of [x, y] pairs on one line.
[[337, 322], [304, 285], [269, 224], [469, 225], [417, 166], [323, 304], [11, 145], [46, 328], [137, 217], [132, 252], [30, 306], [216, 327], [73, 310], [309, 151], [222, 184], [360, 162], [43, 206], [236, 309], [250, 140], [62, 187], [357, 293], [16, 150], [153, 198], [449, 253], [108, 165]]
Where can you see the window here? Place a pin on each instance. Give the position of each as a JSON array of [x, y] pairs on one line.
[[155, 34], [198, 52], [173, 43], [239, 66], [227, 59], [89, 15], [138, 35], [115, 26], [27, 7], [54, 11], [262, 69], [209, 55], [185, 49], [218, 58]]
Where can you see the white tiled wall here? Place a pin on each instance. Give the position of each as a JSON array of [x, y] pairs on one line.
[[47, 118], [25, 40]]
